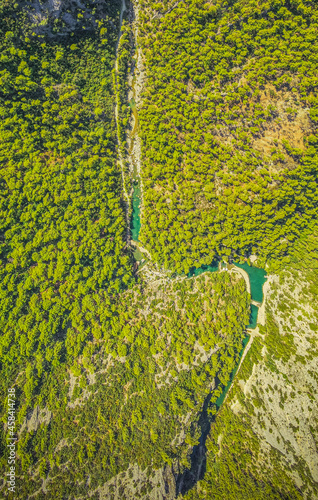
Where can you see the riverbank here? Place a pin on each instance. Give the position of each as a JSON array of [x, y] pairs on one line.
[[261, 318], [244, 274], [136, 81]]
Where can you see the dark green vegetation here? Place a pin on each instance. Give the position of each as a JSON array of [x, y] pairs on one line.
[[114, 371], [263, 442], [222, 396], [228, 125], [62, 224], [121, 84]]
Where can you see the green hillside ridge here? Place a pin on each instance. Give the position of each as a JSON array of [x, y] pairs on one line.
[[99, 383]]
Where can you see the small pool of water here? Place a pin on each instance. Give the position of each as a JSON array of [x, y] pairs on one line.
[[257, 280], [135, 223], [253, 317], [197, 271]]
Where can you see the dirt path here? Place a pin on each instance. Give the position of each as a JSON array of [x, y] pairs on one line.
[[261, 317], [244, 275]]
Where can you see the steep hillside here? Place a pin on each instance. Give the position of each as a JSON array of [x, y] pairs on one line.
[[264, 441], [132, 402]]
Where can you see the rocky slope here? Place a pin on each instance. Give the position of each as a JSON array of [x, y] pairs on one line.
[[264, 442], [60, 18]]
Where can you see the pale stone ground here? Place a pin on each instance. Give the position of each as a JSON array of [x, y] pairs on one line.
[[134, 483], [287, 418]]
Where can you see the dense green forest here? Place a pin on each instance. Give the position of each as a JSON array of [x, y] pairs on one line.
[[138, 399], [62, 223], [116, 364], [228, 125], [63, 255]]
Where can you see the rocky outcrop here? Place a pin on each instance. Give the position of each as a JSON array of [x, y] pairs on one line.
[[135, 483], [35, 418], [58, 18], [285, 416]]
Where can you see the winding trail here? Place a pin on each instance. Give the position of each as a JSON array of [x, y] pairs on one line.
[[137, 89], [122, 10], [244, 274], [254, 332]]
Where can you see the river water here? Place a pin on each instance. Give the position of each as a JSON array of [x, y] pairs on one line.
[[257, 279], [135, 222]]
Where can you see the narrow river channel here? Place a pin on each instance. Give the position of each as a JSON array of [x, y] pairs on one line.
[[254, 277]]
